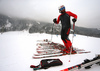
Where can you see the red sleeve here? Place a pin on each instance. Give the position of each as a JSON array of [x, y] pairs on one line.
[[58, 19], [71, 14]]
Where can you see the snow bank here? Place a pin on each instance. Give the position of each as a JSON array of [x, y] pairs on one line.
[[17, 48]]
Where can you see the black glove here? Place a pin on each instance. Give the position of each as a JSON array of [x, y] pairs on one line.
[[74, 19], [55, 20]]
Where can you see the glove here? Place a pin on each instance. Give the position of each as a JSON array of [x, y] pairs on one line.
[[74, 19], [55, 20]]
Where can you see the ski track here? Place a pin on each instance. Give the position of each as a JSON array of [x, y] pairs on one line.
[[17, 49]]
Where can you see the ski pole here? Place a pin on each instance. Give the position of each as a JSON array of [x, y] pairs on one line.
[[52, 32], [73, 31], [72, 38]]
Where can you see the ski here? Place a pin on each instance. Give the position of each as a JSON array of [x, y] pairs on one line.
[[87, 64], [81, 52], [49, 51], [37, 56], [50, 44], [40, 54], [46, 56], [45, 40], [44, 47]]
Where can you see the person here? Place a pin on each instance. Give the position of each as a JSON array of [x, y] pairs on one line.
[[64, 17]]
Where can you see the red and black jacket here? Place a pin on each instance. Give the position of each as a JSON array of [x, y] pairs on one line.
[[65, 19]]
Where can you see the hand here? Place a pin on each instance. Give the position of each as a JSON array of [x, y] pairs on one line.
[[55, 20], [74, 19]]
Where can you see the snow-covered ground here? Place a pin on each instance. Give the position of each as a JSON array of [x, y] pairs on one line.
[[17, 49]]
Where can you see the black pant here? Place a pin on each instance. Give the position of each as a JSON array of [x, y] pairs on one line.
[[64, 34]]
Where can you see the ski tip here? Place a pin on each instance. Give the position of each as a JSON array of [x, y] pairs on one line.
[[36, 54], [35, 58], [65, 70]]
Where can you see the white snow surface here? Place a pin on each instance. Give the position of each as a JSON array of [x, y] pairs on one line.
[[17, 49]]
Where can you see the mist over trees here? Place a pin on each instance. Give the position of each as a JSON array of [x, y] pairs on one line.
[[17, 24]]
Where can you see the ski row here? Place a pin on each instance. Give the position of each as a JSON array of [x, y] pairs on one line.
[[51, 49]]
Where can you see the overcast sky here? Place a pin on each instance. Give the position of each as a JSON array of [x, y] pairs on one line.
[[88, 11]]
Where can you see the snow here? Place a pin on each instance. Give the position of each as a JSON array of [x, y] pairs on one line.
[[17, 49]]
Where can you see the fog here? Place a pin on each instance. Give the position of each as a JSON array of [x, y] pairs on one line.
[[46, 10]]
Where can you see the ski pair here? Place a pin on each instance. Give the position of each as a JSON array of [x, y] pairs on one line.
[[87, 64], [51, 49]]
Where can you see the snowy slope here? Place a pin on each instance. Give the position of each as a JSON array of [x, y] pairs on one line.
[[17, 48]]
